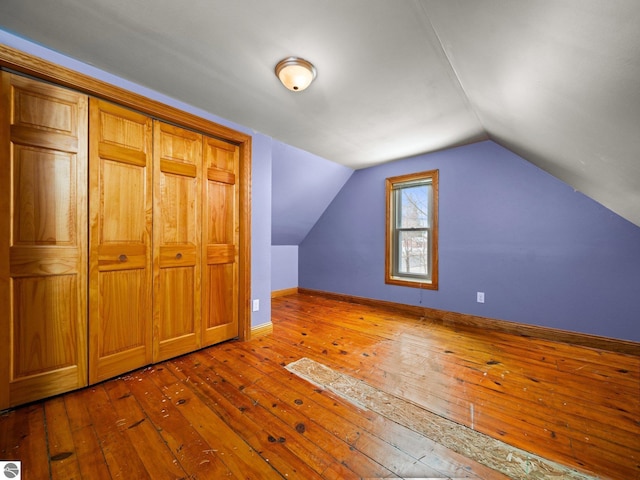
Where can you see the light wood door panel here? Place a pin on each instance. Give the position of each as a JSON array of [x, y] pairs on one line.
[[177, 238], [43, 204], [221, 241], [120, 268], [46, 186], [42, 319]]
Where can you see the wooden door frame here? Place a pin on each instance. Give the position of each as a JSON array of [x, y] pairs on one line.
[[27, 64]]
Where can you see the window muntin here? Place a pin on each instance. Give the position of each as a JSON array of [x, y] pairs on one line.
[[412, 230]]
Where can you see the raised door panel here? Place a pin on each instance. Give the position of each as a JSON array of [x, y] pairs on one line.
[[221, 242], [177, 240], [43, 204], [120, 268]]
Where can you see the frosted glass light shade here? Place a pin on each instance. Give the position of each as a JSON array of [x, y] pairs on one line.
[[295, 73]]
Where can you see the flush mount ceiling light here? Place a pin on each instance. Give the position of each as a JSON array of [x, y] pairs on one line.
[[295, 73]]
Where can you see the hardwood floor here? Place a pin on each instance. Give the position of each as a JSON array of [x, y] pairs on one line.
[[234, 411]]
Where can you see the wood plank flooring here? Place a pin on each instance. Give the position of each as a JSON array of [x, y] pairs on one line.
[[234, 411]]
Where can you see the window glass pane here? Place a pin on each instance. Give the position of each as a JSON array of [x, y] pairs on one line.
[[413, 253], [414, 206]]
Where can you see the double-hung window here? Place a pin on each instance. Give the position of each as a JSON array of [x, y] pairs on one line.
[[412, 230]]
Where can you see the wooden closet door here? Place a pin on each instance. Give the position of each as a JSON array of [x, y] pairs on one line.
[[221, 241], [177, 240], [120, 210], [43, 230]]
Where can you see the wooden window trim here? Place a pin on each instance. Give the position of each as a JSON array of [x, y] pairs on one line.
[[390, 278]]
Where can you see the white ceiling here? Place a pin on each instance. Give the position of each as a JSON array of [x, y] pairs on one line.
[[556, 81]]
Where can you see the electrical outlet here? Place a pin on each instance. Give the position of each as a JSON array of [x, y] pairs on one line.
[[480, 297], [256, 305]]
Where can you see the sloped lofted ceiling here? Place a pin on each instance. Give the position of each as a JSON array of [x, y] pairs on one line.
[[556, 81]]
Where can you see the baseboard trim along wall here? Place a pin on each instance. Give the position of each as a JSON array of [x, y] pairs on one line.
[[284, 292], [261, 330], [545, 333]]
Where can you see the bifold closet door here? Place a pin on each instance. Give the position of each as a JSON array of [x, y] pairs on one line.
[[221, 240], [120, 217], [43, 240], [176, 240]]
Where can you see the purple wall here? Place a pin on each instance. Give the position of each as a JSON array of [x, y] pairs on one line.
[[261, 227], [303, 185], [284, 267], [542, 253]]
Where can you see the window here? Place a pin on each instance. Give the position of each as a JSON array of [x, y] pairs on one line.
[[412, 230]]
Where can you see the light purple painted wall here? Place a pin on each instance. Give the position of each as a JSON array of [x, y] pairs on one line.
[[261, 164], [303, 185], [284, 267], [261, 227], [542, 253]]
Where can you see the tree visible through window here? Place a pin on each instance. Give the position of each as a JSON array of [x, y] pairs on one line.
[[412, 230]]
